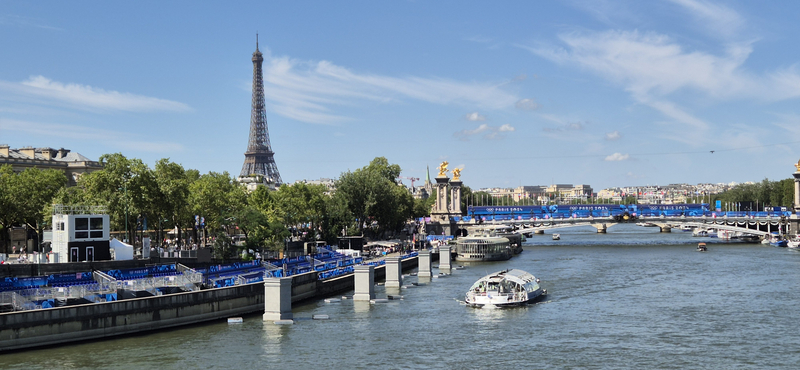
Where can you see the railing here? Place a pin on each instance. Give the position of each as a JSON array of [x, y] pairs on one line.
[[16, 301], [103, 279]]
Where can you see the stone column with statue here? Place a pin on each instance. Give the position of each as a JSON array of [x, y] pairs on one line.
[[455, 193], [794, 220], [796, 175]]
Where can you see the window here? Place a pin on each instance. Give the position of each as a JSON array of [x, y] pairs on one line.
[[96, 226], [81, 224]]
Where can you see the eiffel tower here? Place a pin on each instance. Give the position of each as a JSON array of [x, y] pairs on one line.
[[259, 158]]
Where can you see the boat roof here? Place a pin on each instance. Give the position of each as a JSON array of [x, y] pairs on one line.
[[515, 275]]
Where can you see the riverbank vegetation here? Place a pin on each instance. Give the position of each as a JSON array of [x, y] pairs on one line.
[[186, 204]]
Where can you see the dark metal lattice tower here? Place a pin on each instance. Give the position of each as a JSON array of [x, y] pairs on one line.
[[259, 158]]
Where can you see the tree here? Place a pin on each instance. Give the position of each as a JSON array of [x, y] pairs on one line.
[[8, 210], [215, 197], [26, 198], [127, 187], [173, 195], [34, 191], [371, 195]]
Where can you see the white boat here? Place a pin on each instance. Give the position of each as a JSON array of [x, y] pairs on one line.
[[646, 224], [686, 228], [483, 249], [794, 242], [514, 237], [556, 236], [504, 288], [701, 247]]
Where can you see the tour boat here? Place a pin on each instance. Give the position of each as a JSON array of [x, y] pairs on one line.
[[504, 288], [793, 243], [514, 237], [686, 228], [701, 247], [700, 232], [556, 236], [486, 248]]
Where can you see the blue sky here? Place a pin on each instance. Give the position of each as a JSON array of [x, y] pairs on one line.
[[605, 93]]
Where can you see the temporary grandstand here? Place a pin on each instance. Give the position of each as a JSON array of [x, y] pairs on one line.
[[29, 293]]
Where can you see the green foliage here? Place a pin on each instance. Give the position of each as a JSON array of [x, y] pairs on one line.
[[216, 196], [26, 197], [768, 193], [374, 198]]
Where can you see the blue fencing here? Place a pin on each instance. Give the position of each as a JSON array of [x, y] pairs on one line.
[[64, 280], [20, 283], [129, 274], [336, 272]]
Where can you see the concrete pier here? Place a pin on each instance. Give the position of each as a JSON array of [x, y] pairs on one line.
[[665, 229], [601, 228], [424, 263], [444, 258], [277, 299], [364, 283], [394, 273]]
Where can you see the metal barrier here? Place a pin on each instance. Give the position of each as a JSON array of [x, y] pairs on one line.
[[16, 301]]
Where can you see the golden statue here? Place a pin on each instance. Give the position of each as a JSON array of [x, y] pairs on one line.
[[443, 169], [456, 174], [798, 166]]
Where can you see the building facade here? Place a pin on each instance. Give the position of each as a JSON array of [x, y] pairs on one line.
[[74, 165]]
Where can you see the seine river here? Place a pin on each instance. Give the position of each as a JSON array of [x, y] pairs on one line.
[[632, 299]]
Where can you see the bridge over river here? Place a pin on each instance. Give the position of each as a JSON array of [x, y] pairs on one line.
[[759, 226]]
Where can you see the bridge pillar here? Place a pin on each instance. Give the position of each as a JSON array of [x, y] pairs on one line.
[[424, 261], [277, 299], [540, 232], [444, 259], [364, 283], [394, 273], [665, 229], [601, 228]]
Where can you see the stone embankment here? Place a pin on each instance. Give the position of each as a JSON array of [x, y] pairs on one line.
[[70, 324]]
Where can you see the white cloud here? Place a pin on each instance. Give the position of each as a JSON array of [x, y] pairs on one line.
[[19, 21], [652, 67], [88, 97], [475, 116], [310, 91], [90, 134], [506, 128], [527, 104], [617, 157], [611, 136], [479, 39], [718, 19], [486, 131], [565, 126]]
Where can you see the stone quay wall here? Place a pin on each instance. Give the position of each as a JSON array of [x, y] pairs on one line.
[[70, 324]]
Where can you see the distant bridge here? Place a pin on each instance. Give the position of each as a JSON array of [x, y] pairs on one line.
[[760, 226]]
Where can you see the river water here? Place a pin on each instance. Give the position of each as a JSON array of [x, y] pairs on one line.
[[632, 298]]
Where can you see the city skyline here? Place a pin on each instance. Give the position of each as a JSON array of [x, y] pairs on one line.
[[608, 94]]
